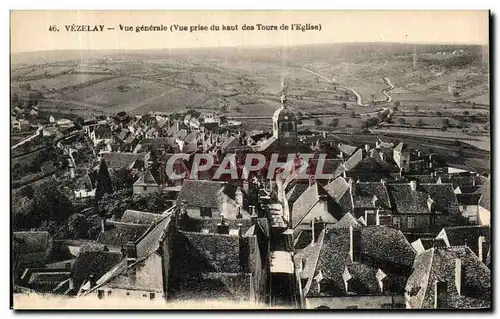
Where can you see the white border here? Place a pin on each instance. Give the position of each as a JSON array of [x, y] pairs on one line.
[[191, 4]]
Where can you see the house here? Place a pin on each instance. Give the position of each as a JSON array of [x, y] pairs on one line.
[[477, 238], [144, 271], [448, 278], [371, 201], [355, 267], [484, 204], [84, 188], [116, 234], [340, 190], [125, 160], [31, 249], [422, 244], [423, 207], [146, 183], [220, 266], [370, 165], [313, 203], [469, 206], [212, 199], [88, 265]]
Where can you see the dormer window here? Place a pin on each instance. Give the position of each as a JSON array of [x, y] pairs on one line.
[[383, 281], [348, 281]]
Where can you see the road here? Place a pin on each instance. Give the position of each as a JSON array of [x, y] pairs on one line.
[[359, 100], [385, 91]]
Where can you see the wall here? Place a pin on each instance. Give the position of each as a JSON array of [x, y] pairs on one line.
[[124, 293], [320, 209], [362, 302], [471, 212], [484, 216], [422, 221], [139, 189]]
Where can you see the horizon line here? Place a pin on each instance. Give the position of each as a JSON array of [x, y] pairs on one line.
[[259, 46]]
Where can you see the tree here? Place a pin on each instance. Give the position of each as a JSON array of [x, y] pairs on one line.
[[344, 106], [438, 113], [420, 123], [466, 113], [401, 120], [318, 122], [415, 108], [237, 109], [104, 184], [353, 114], [334, 123], [446, 123], [397, 103], [372, 121]]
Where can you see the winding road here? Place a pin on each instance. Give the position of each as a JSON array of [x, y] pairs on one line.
[[359, 100], [390, 88]]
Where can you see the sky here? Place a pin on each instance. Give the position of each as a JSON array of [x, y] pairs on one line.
[[30, 29]]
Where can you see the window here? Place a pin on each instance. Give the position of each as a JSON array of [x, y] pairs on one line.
[[109, 292], [144, 188], [411, 222], [127, 293], [100, 293], [386, 306], [152, 295], [205, 212], [465, 207], [396, 222]]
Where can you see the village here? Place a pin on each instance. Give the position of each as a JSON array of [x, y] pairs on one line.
[[390, 227]]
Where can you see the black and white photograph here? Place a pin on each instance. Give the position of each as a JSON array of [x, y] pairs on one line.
[[297, 160]]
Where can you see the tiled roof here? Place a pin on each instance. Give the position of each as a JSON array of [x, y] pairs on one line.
[[438, 264], [420, 178], [467, 235], [306, 201], [30, 241], [293, 194], [368, 190], [200, 193], [339, 189], [137, 217], [93, 262], [432, 242], [381, 247], [121, 160], [468, 199], [230, 142], [198, 253], [406, 201], [347, 149], [213, 286], [347, 221], [485, 201], [330, 166], [120, 233], [199, 224]]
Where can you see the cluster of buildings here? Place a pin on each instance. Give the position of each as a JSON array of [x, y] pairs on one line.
[[391, 227]]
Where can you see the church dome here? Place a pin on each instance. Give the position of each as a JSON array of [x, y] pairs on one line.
[[284, 114]]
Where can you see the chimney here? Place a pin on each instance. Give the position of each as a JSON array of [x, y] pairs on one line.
[[240, 230], [482, 248], [430, 204], [131, 252], [223, 227], [92, 281], [458, 275], [413, 186], [239, 215], [324, 134], [382, 155], [318, 227], [311, 180], [377, 217], [473, 181], [355, 244], [441, 294], [374, 200], [367, 148], [253, 215], [377, 144], [382, 181], [103, 225], [238, 197]]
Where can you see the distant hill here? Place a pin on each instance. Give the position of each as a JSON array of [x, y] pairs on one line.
[[348, 52]]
